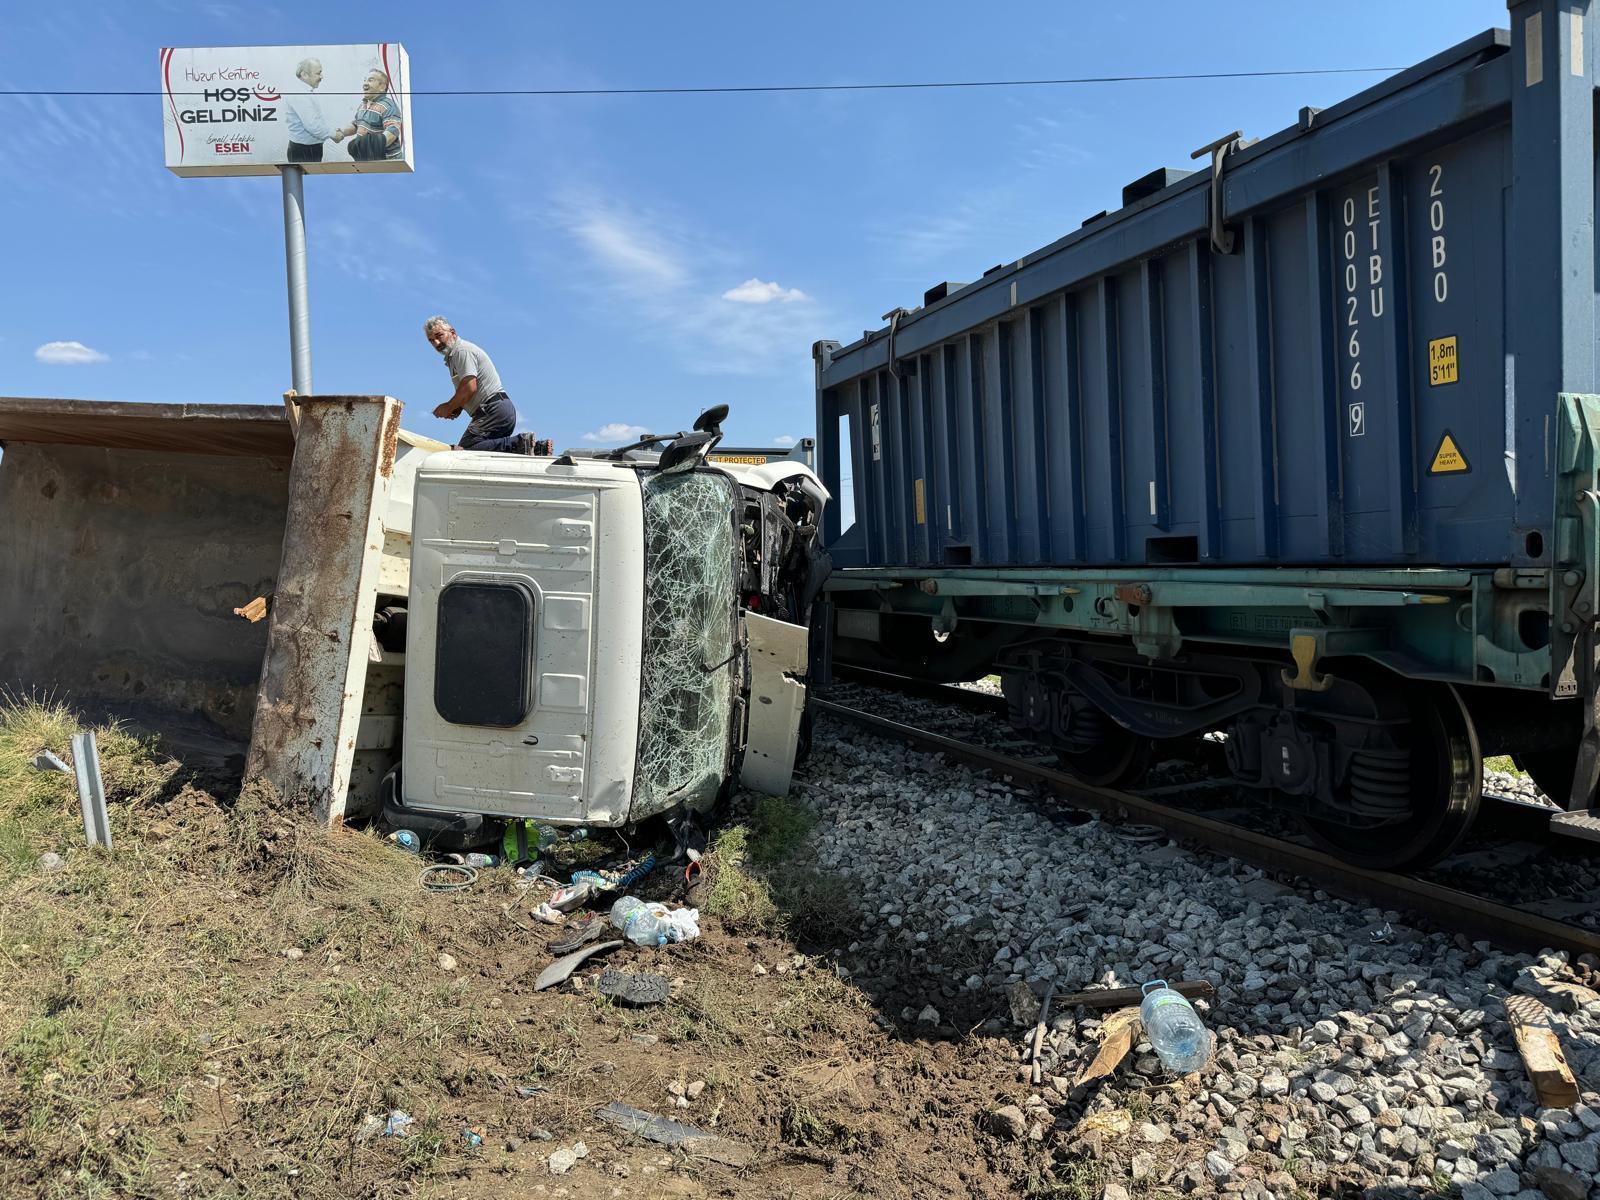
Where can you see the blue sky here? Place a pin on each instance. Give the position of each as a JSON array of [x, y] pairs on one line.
[[627, 261]]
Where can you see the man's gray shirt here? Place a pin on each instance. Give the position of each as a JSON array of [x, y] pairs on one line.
[[466, 358]]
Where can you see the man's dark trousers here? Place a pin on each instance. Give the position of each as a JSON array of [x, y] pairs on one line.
[[493, 427]]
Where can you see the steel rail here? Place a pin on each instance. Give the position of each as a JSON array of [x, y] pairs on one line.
[[1457, 911]]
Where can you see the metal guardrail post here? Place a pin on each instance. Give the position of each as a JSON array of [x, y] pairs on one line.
[[91, 789]]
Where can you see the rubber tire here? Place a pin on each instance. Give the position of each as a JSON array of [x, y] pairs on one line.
[[1451, 751]]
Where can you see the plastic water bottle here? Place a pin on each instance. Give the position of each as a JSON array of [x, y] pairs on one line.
[[639, 922], [480, 860], [406, 840], [1181, 1040]]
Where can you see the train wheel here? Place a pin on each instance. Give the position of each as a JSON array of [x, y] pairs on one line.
[[1118, 759], [1446, 787], [1551, 771]]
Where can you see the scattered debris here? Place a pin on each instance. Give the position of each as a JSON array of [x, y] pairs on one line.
[[529, 1090], [1559, 994], [405, 839], [471, 1137], [371, 1126], [1142, 834], [572, 896], [1541, 1052], [561, 970], [447, 877], [398, 1123], [1038, 1034], [633, 990], [1116, 1039], [1192, 989], [654, 924], [550, 916], [695, 1142], [1384, 934], [581, 931], [563, 1160], [50, 862]]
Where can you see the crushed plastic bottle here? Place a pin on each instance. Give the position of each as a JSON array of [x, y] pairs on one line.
[[481, 861], [654, 924], [1180, 1039]]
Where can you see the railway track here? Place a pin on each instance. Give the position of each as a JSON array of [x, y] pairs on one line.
[[1446, 907]]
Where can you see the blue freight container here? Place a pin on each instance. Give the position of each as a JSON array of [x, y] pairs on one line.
[[1342, 344]]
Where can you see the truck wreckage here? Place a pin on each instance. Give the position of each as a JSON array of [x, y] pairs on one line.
[[315, 598]]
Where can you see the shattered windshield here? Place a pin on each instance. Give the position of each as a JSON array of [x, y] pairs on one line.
[[689, 627]]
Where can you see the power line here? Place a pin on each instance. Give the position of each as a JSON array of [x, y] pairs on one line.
[[780, 87]]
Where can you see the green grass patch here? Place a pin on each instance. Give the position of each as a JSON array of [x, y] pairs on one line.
[[39, 810], [1504, 764], [780, 825]]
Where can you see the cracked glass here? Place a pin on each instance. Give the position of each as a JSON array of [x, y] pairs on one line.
[[686, 690]]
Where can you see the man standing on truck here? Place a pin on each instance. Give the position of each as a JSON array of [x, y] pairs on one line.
[[478, 392]]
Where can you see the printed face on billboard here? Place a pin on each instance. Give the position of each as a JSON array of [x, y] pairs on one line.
[[247, 110]]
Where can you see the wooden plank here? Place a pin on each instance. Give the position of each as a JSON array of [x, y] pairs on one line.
[[1116, 1039], [1193, 989], [1541, 1052]]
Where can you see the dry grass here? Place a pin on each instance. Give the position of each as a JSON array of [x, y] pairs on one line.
[[147, 989], [212, 1011]]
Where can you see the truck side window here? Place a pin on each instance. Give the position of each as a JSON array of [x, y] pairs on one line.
[[483, 656]]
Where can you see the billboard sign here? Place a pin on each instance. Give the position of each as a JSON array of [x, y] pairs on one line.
[[248, 110]]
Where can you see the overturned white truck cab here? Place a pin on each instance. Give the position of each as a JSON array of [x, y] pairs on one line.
[[600, 639]]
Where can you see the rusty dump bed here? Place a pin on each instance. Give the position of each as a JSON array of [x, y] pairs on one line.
[[129, 533]]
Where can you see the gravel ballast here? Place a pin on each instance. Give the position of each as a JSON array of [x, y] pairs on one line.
[[1351, 1047]]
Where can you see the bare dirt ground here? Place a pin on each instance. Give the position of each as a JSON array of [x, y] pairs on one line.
[[223, 1006]]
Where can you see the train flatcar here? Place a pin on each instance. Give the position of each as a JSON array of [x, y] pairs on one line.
[[1299, 448]]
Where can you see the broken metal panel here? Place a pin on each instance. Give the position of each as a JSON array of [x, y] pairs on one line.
[[778, 654], [308, 708], [122, 568]]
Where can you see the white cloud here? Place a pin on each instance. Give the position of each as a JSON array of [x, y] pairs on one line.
[[783, 439], [616, 431], [754, 291], [669, 277], [67, 354], [630, 249]]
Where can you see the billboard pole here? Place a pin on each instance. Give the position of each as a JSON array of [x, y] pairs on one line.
[[294, 255]]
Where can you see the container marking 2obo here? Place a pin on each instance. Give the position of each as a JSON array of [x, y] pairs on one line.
[[1443, 363], [1448, 458]]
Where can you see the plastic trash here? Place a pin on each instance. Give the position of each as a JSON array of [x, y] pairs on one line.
[[1180, 1038], [654, 924], [481, 860], [407, 841], [397, 1124]]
